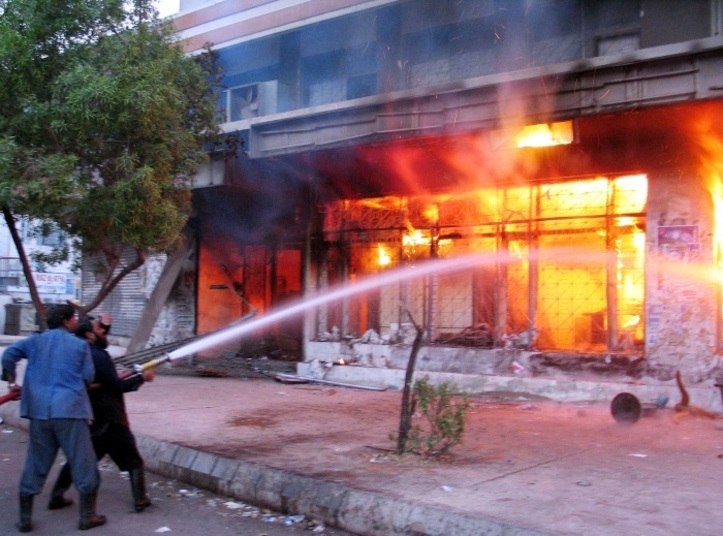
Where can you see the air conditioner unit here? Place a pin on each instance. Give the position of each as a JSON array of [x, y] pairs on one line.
[[251, 100]]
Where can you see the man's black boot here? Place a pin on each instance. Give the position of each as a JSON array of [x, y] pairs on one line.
[[26, 513], [62, 484], [88, 517], [141, 501]]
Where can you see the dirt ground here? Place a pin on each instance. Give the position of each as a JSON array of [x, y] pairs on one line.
[[561, 468]]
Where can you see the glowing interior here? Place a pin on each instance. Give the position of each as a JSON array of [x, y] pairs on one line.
[[589, 305]]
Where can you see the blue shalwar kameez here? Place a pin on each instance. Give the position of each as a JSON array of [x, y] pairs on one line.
[[55, 399]]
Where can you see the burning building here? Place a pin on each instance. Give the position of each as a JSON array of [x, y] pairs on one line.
[[572, 146]]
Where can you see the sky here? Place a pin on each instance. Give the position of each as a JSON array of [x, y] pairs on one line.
[[167, 7]]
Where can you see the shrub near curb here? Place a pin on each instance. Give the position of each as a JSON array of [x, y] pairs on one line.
[[439, 413]]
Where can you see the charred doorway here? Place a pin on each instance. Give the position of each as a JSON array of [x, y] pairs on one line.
[[251, 235]]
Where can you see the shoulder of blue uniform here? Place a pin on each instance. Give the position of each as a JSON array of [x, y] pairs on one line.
[[62, 334]]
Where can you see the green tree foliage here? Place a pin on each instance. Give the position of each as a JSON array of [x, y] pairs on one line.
[[102, 122]]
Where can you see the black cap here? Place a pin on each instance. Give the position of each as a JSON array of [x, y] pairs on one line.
[[85, 324]]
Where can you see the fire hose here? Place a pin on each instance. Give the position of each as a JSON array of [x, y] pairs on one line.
[[130, 360], [138, 369], [13, 394], [133, 359]]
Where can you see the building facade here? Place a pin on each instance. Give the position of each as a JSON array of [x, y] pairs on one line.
[[535, 185], [56, 282]]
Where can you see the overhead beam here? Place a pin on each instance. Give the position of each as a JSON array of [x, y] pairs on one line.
[[685, 72]]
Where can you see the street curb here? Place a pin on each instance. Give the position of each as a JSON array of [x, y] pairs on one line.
[[358, 511]]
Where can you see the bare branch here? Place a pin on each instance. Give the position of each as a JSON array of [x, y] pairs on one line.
[[112, 279]]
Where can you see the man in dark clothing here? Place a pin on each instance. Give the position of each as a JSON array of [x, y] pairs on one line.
[[110, 431], [54, 398]]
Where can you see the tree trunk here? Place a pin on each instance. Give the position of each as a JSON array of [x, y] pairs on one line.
[[171, 270], [405, 421], [27, 270]]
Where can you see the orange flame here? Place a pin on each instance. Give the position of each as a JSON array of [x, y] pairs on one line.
[[415, 237], [710, 168], [545, 135], [716, 189], [431, 213], [712, 171], [383, 257], [634, 321]]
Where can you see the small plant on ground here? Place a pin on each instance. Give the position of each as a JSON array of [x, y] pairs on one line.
[[439, 415]]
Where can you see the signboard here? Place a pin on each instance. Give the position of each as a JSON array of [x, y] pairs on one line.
[[57, 285], [50, 283]]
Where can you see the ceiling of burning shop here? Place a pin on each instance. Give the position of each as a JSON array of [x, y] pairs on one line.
[[265, 200], [625, 142]]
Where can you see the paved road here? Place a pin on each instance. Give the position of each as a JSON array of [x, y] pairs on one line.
[[177, 508]]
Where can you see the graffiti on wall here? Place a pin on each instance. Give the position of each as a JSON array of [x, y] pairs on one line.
[[680, 323], [679, 242]]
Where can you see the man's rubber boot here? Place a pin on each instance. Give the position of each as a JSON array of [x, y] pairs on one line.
[[62, 484], [141, 501], [88, 517], [26, 513]]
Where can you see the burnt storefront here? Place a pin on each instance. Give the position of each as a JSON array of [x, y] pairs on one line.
[[597, 240]]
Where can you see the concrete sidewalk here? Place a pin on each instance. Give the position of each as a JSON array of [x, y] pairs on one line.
[[525, 467]]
